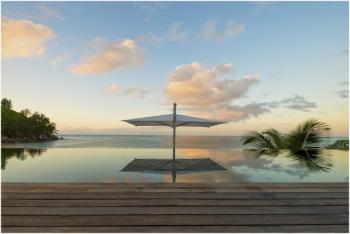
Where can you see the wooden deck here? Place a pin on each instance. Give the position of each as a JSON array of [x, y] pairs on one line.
[[238, 207]]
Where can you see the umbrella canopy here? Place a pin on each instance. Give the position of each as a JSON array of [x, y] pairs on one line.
[[167, 120], [173, 120]]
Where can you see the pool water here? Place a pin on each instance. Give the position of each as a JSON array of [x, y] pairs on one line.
[[104, 165]]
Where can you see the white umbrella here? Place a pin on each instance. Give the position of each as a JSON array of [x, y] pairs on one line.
[[173, 120]]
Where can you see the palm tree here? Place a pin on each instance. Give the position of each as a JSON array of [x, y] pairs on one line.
[[303, 144], [306, 136]]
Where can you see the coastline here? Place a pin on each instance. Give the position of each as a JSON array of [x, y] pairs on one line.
[[40, 138]]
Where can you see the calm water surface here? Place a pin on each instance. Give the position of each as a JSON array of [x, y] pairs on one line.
[[101, 159]]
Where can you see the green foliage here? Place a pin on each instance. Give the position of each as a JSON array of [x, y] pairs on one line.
[[302, 144], [6, 103], [313, 160], [22, 124], [306, 136], [19, 153]]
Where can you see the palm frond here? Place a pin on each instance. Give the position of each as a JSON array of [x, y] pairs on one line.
[[307, 135], [313, 160], [258, 140], [276, 137]]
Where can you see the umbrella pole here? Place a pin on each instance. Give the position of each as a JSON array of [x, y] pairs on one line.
[[174, 130], [174, 141]]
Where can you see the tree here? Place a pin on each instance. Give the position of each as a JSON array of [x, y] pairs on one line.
[[22, 125], [6, 103], [26, 112], [303, 144], [307, 135]]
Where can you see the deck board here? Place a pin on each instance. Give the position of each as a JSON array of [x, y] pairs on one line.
[[235, 207]]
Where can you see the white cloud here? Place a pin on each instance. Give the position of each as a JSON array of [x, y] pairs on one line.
[[113, 88], [176, 33], [232, 28], [50, 12], [194, 85], [59, 59], [23, 38], [151, 8], [110, 56], [202, 90], [136, 91]]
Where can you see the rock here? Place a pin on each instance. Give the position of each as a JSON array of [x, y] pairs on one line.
[[5, 139], [339, 144]]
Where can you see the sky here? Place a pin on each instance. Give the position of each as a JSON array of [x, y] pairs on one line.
[[256, 65]]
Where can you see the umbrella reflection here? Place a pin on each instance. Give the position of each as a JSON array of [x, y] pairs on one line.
[[182, 166]]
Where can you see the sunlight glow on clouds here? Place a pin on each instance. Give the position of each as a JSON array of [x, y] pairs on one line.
[[204, 93], [23, 38], [201, 90], [194, 85], [110, 56], [209, 30]]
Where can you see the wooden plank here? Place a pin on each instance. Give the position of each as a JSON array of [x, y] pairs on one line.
[[135, 220], [165, 189], [178, 210], [237, 195], [192, 229], [178, 185], [175, 202]]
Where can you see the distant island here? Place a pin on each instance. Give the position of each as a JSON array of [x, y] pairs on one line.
[[24, 126]]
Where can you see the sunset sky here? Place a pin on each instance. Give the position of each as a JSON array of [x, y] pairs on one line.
[[89, 65]]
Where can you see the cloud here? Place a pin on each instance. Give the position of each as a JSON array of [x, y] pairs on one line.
[[23, 38], [136, 91], [260, 6], [113, 88], [296, 103], [201, 90], [176, 33], [345, 52], [344, 93], [50, 12], [59, 59], [209, 30], [194, 85], [151, 8], [110, 56], [235, 112]]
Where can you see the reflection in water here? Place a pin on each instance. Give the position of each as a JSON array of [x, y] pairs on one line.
[[174, 166], [105, 165], [314, 160], [19, 153]]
